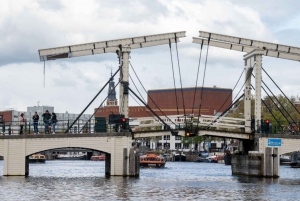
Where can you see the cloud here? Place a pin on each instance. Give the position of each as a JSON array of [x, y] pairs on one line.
[[29, 25]]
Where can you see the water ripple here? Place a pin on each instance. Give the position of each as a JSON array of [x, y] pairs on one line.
[[85, 180]]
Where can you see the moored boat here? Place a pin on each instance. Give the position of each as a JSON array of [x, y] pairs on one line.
[[152, 160], [71, 156], [98, 158], [180, 157], [37, 158]]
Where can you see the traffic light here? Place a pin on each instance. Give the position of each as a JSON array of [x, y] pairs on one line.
[[191, 132], [267, 125], [123, 123]]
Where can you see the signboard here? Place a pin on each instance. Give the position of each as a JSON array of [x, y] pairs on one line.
[[274, 142]]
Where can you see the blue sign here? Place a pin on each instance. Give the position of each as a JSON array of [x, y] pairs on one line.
[[274, 142]]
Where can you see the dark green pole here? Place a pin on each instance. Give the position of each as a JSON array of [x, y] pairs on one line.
[[29, 127], [25, 126], [9, 129], [3, 128]]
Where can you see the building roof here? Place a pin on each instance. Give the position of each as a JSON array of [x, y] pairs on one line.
[[191, 88]]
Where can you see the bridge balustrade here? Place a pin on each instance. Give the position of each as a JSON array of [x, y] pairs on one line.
[[13, 128]]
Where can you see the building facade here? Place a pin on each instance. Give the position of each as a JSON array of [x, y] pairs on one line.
[[168, 102]]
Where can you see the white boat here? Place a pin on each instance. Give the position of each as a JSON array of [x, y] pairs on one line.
[[72, 156]]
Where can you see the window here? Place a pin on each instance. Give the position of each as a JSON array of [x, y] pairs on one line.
[[213, 145], [177, 137], [177, 145], [166, 137]]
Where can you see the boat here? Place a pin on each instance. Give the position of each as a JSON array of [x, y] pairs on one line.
[[295, 163], [212, 159], [180, 157], [98, 158], [152, 160], [285, 160], [71, 156], [37, 158], [203, 157]]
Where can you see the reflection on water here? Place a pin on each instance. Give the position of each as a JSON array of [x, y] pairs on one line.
[[85, 180]]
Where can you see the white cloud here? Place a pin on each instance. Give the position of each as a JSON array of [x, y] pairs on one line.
[[29, 25]]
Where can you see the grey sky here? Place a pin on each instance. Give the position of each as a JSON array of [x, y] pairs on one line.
[[29, 25]]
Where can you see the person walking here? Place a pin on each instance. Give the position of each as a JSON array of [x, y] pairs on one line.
[[21, 123], [35, 118], [46, 118], [53, 122]]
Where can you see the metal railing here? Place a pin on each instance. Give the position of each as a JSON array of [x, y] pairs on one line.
[[13, 127]]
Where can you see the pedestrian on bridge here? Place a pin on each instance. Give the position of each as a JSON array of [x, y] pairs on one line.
[[46, 119], [35, 118], [53, 122], [21, 123]]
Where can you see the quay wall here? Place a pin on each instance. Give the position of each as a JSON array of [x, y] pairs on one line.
[[251, 165]]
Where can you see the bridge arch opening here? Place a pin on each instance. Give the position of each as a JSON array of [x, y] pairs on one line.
[[69, 158]]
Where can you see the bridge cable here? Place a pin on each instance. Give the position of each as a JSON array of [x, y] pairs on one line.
[[140, 96], [197, 77], [199, 111], [281, 91], [274, 102], [170, 45], [277, 101], [270, 110], [228, 108], [99, 106], [165, 124], [150, 96], [232, 100], [232, 90], [136, 88], [145, 110], [182, 96], [93, 100]]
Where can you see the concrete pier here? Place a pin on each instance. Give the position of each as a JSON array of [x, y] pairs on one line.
[[257, 164]]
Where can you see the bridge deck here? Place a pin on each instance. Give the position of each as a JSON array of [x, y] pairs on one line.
[[277, 136], [62, 135]]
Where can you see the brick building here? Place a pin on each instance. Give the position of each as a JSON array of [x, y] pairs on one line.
[[214, 99]]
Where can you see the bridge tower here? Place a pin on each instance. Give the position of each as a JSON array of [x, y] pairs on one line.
[[253, 61]]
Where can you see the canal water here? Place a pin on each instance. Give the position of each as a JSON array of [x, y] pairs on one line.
[[85, 180]]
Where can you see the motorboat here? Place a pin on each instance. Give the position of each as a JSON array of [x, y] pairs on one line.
[[98, 158], [180, 157], [152, 160], [37, 158], [285, 160], [212, 159]]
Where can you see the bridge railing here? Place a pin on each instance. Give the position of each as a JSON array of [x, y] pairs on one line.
[[213, 122], [222, 123], [13, 127]]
